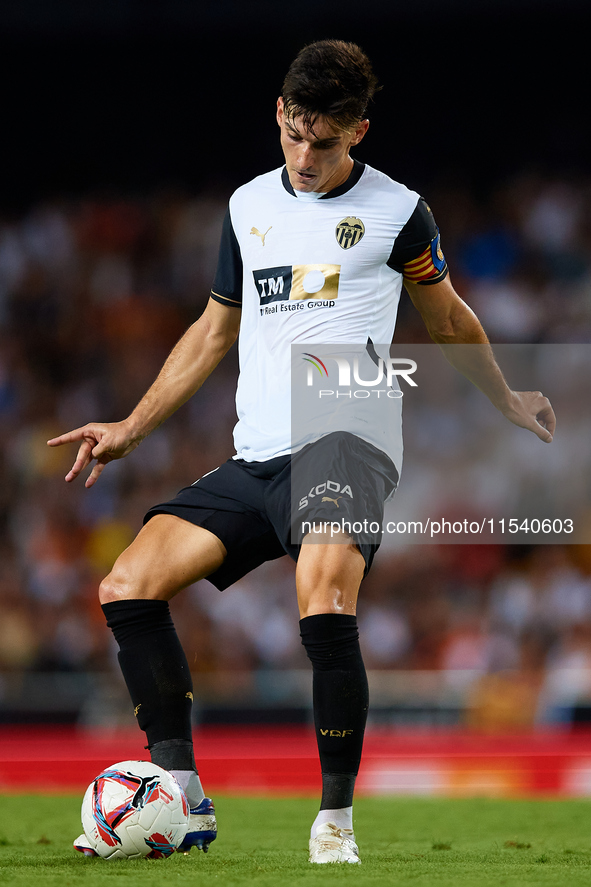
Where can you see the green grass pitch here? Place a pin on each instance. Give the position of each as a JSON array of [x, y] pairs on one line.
[[403, 841]]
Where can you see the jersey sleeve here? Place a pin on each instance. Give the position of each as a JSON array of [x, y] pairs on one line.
[[227, 283], [417, 250]]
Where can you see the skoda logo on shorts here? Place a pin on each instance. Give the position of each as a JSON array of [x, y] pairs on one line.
[[349, 231]]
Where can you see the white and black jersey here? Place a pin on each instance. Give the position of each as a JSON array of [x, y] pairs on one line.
[[314, 268]]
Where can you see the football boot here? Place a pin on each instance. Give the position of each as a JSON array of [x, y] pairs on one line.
[[333, 844], [202, 828], [82, 845]]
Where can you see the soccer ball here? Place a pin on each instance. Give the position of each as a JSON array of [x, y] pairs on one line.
[[135, 809]]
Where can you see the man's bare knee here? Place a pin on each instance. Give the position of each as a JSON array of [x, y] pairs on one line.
[[167, 555], [119, 586], [328, 578]]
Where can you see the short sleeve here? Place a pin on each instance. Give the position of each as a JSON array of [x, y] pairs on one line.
[[227, 283], [417, 250]]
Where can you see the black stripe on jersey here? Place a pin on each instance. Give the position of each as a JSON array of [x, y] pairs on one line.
[[417, 235], [286, 183], [231, 303], [227, 283], [354, 177], [373, 354], [371, 350]]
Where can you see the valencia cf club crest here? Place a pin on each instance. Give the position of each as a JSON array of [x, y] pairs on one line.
[[349, 232]]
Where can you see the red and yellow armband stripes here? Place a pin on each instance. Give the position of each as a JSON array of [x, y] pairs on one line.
[[430, 267]]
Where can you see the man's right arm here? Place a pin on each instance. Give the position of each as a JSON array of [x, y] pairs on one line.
[[187, 367]]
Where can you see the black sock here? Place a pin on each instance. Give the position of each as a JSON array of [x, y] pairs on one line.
[[157, 675], [341, 701]]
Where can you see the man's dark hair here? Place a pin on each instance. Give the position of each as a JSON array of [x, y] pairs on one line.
[[329, 78]]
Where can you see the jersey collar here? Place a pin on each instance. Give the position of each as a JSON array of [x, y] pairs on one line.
[[354, 177]]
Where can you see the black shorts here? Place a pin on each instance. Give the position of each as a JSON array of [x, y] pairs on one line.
[[262, 510]]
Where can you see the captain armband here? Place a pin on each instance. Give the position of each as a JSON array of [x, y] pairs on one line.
[[428, 268]]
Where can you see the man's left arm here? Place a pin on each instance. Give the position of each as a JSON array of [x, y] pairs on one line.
[[450, 322]]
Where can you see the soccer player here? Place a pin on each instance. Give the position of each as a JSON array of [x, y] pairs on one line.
[[314, 252]]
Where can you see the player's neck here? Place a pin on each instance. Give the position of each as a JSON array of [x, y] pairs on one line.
[[340, 176]]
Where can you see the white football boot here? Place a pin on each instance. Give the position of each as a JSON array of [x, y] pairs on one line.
[[333, 844], [82, 845]]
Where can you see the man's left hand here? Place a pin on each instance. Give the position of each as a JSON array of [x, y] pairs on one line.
[[531, 410]]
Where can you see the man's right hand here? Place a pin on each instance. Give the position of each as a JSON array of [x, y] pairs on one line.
[[103, 442]]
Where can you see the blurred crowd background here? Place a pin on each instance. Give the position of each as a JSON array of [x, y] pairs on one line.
[[127, 126], [93, 294]]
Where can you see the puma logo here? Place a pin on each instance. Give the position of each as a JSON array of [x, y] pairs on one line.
[[328, 499], [258, 233]]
